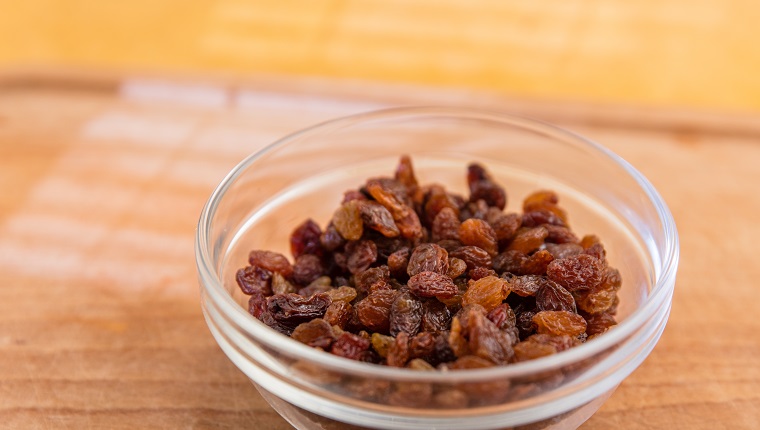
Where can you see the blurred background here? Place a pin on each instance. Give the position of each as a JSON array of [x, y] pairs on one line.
[[698, 54]]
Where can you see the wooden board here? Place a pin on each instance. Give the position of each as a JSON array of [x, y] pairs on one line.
[[103, 181], [697, 53]]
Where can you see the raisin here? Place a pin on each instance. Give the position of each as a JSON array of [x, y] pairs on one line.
[[398, 262], [405, 172], [398, 352], [612, 278], [339, 314], [364, 280], [564, 250], [553, 297], [528, 240], [597, 251], [331, 239], [559, 323], [432, 284], [474, 209], [503, 317], [351, 195], [476, 232], [472, 256], [428, 257], [505, 226], [419, 364], [342, 294], [509, 261], [578, 272], [436, 202], [487, 341], [488, 292], [377, 217], [422, 345], [280, 285], [351, 346], [319, 285], [544, 200], [445, 225], [293, 309], [470, 362], [530, 350], [598, 323], [589, 240], [257, 304], [457, 267], [442, 352], [435, 316], [525, 323], [307, 268], [347, 220], [374, 310], [253, 278], [560, 343], [316, 333], [305, 239], [480, 272], [536, 263], [271, 261], [381, 343], [558, 234], [541, 217], [595, 301], [360, 255], [406, 315], [482, 187], [392, 196], [527, 285]]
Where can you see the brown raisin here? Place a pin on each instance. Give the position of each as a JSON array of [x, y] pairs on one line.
[[488, 292], [422, 345], [487, 341], [560, 343], [525, 323], [280, 285], [342, 294], [470, 362], [307, 268], [536, 263], [374, 310], [347, 220], [435, 316], [476, 232], [377, 217], [305, 239], [528, 240], [457, 268], [544, 200], [405, 172], [353, 195], [553, 297], [316, 333], [445, 225], [530, 350], [331, 239], [503, 317], [596, 300], [339, 314], [541, 217], [293, 309], [253, 278], [398, 262], [527, 285], [398, 353], [474, 209], [271, 261], [472, 256], [428, 257], [482, 187], [509, 261], [436, 202], [381, 343], [351, 346], [564, 250], [360, 255], [505, 226], [406, 315], [578, 272], [559, 323], [319, 285], [480, 272], [558, 234], [432, 284], [598, 323]]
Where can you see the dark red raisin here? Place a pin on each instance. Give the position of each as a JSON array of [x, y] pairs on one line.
[[307, 268], [253, 278], [431, 284], [360, 255], [406, 315], [271, 261], [293, 309], [305, 239], [351, 346]]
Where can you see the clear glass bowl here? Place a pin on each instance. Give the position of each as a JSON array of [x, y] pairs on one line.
[[303, 175]]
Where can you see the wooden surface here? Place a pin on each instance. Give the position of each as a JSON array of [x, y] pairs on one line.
[[103, 182], [697, 53]]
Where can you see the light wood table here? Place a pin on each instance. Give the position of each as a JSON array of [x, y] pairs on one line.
[[103, 180]]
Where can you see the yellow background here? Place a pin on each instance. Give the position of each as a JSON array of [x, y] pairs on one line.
[[678, 53]]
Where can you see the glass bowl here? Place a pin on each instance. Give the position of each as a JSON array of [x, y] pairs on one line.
[[304, 175]]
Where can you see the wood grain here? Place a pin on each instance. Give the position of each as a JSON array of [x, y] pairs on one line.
[[100, 323], [697, 53]]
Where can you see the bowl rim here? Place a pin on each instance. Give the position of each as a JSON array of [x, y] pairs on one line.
[[213, 286]]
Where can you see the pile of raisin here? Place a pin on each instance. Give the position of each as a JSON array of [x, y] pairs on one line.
[[415, 276]]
